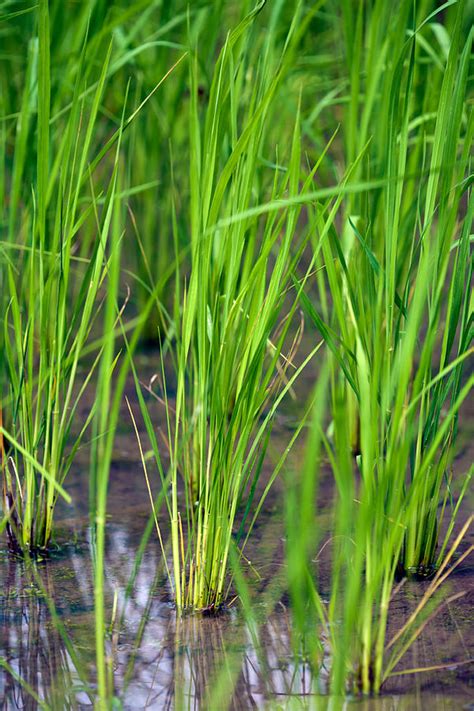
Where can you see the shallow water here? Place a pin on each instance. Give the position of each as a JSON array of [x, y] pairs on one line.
[[162, 662], [159, 662]]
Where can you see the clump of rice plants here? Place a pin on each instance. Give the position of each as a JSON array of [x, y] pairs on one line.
[[232, 368], [52, 270], [344, 630], [395, 311], [226, 206], [398, 276]]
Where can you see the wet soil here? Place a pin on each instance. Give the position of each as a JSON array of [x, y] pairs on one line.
[[160, 662]]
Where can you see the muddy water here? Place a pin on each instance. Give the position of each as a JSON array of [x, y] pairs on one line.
[[159, 662]]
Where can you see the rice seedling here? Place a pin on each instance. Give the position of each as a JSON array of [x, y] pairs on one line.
[[213, 206], [350, 618], [229, 351], [109, 395], [398, 275], [161, 136], [164, 125], [396, 376], [42, 338], [53, 267]]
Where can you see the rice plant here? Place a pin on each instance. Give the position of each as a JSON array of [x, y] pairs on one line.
[[343, 626], [161, 136], [395, 311], [53, 265], [398, 274], [316, 156], [230, 359], [163, 29]]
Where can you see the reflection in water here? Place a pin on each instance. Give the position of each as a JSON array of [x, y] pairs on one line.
[[158, 661], [32, 645]]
